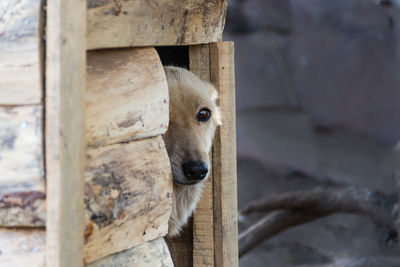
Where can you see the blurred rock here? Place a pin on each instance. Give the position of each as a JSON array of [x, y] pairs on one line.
[[262, 78], [343, 61], [268, 15], [289, 140], [318, 92], [236, 21], [338, 61], [256, 15]]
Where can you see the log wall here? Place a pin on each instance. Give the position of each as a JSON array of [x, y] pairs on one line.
[[22, 175], [85, 178], [20, 52], [127, 96], [151, 254], [128, 191], [21, 112], [23, 247]]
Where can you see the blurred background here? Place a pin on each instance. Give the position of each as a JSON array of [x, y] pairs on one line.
[[318, 103]]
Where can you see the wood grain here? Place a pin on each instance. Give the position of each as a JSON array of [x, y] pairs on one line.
[[203, 218], [153, 23], [22, 247], [128, 196], [127, 96], [181, 247], [20, 66], [224, 158], [23, 209], [151, 254], [64, 131], [21, 152]]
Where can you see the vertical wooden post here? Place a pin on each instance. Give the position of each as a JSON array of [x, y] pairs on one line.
[[64, 131], [203, 234], [224, 158]]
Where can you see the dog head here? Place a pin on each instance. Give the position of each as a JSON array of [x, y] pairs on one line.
[[194, 117]]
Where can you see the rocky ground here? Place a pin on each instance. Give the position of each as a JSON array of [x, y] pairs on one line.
[[318, 92]]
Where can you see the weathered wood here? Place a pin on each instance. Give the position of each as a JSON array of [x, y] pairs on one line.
[[21, 155], [127, 96], [22, 190], [21, 147], [147, 23], [20, 67], [224, 158], [203, 218], [181, 247], [25, 209], [64, 133], [22, 247], [151, 254], [128, 196]]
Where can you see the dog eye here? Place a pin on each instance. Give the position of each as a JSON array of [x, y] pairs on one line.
[[204, 115]]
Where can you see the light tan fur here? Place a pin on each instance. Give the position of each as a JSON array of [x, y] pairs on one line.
[[188, 139]]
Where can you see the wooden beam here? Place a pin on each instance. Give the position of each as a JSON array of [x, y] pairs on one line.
[[126, 97], [224, 158], [203, 234], [20, 52], [115, 23], [128, 196], [64, 131], [152, 254]]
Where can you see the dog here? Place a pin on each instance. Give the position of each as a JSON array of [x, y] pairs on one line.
[[194, 117]]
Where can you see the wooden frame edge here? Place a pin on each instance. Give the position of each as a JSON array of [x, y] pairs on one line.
[[64, 131], [224, 157]]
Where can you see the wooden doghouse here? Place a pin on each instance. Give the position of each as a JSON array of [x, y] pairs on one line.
[[85, 177]]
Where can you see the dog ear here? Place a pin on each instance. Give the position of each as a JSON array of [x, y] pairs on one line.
[[212, 92], [217, 116]]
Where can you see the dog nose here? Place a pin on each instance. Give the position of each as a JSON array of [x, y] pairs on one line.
[[195, 170]]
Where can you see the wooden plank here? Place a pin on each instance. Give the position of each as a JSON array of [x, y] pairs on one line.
[[127, 96], [203, 218], [181, 247], [22, 247], [128, 196], [224, 157], [151, 254], [64, 131], [20, 66], [148, 23]]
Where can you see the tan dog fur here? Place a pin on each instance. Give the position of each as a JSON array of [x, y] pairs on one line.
[[187, 138]]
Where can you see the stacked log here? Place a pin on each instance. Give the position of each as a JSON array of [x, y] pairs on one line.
[[128, 191], [154, 23]]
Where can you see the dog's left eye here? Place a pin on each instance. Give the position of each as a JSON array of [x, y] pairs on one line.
[[204, 114]]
